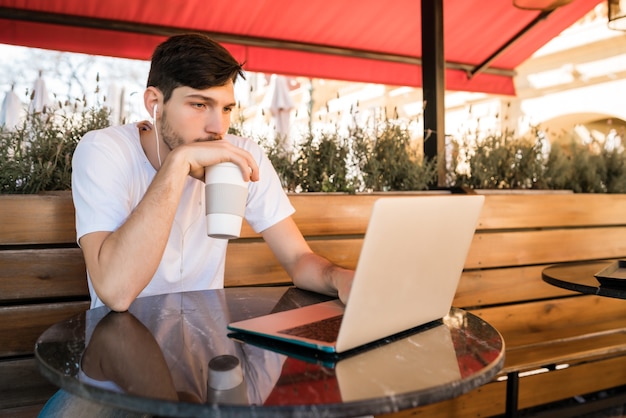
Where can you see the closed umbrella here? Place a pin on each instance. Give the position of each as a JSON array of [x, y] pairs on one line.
[[40, 97], [11, 110], [115, 102], [279, 103]]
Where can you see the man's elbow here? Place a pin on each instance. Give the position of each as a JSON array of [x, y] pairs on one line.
[[115, 300], [118, 306]]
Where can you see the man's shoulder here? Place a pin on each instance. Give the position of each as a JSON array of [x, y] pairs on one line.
[[240, 141], [248, 144], [127, 131], [116, 141]]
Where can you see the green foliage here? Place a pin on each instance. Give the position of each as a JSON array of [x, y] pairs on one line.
[[502, 161], [281, 161], [615, 171], [380, 155], [394, 161], [382, 158], [320, 165], [36, 156], [499, 161], [586, 169]]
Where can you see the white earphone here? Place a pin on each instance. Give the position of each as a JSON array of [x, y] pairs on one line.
[[156, 134]]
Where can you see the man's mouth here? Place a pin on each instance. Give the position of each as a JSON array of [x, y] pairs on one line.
[[210, 138]]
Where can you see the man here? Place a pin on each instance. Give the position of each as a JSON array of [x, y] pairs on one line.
[[138, 188], [138, 195]]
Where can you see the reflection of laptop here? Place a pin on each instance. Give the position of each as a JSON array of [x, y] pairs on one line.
[[424, 361], [421, 361], [407, 274]]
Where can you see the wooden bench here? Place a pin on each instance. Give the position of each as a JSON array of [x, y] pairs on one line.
[[42, 281]]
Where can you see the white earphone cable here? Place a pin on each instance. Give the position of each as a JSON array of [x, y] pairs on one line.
[[156, 134]]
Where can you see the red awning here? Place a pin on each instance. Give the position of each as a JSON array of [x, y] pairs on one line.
[[357, 40]]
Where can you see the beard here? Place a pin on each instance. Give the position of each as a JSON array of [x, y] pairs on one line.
[[172, 139]]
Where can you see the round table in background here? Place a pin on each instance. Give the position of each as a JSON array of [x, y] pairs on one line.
[[580, 277]]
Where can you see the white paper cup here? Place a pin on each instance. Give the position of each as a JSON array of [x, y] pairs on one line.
[[226, 194]]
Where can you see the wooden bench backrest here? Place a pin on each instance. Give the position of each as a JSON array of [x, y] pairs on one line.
[[517, 236], [37, 219], [513, 231]]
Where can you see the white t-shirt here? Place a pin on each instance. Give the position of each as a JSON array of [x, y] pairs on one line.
[[110, 176]]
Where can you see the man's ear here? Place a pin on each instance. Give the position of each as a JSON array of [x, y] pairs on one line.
[[152, 97]]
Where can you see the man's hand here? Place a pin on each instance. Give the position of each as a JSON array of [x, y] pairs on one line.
[[308, 270], [199, 155], [342, 281]]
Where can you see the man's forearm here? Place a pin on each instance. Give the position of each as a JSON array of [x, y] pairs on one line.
[[128, 258]]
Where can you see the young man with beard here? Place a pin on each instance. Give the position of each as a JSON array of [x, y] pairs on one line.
[[138, 189]]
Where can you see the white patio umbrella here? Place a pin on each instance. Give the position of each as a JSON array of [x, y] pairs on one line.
[[115, 102], [41, 98], [280, 104], [11, 110]]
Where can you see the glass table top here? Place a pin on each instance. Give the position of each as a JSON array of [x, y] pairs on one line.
[[155, 359]]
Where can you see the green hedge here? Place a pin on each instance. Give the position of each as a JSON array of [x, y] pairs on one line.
[[380, 156]]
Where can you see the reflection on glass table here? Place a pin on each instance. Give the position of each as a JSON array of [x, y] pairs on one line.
[[155, 359]]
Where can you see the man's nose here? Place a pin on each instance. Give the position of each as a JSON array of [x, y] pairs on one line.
[[216, 123]]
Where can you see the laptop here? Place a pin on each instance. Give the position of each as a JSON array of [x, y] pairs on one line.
[[407, 274]]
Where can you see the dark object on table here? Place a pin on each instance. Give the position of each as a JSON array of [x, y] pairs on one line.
[[613, 275]]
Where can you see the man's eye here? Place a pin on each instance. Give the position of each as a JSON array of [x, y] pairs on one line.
[[228, 109]]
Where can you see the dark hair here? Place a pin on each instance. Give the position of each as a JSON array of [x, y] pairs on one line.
[[191, 60]]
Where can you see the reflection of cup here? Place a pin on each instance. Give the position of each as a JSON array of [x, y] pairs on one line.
[[226, 194], [226, 383]]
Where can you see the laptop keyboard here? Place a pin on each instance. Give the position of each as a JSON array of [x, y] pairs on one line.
[[324, 330]]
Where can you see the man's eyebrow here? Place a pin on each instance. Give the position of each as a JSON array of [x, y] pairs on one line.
[[200, 97], [207, 99]]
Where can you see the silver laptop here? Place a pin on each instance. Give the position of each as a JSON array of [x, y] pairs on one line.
[[407, 274]]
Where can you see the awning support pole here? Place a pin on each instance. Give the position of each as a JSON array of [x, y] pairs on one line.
[[433, 85]]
